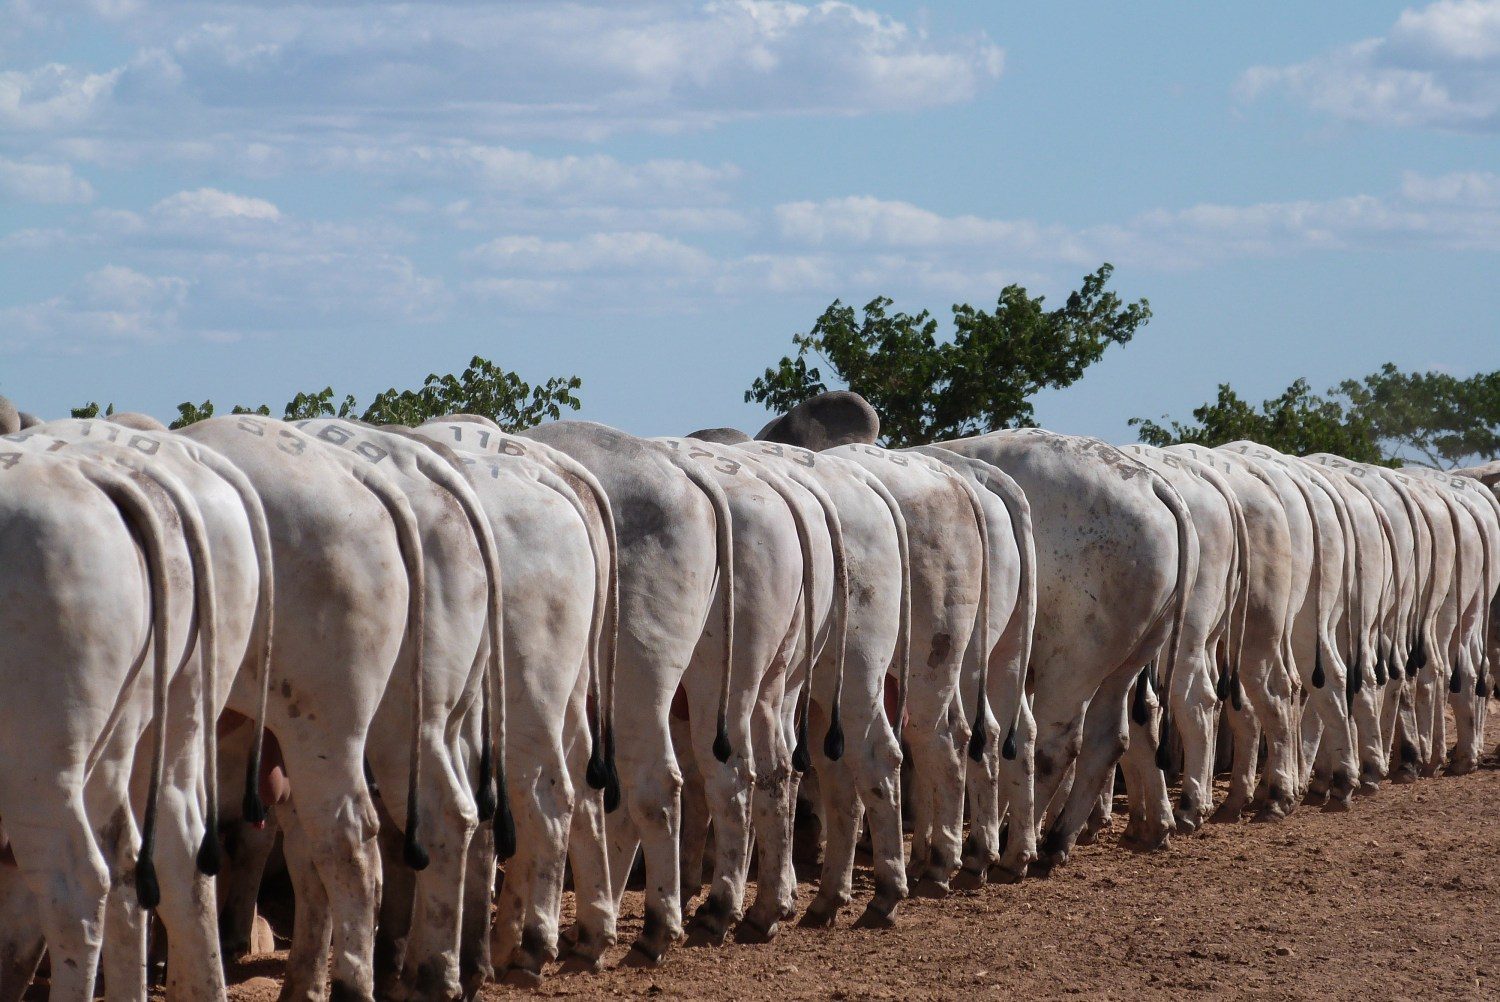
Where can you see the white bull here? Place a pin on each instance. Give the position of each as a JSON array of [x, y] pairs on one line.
[[950, 583], [1001, 782], [232, 576], [417, 941], [851, 675], [676, 549], [1216, 596], [349, 580], [1464, 625], [1115, 555], [89, 594], [783, 590], [557, 554], [1318, 535], [1260, 670], [1410, 543], [1370, 585]]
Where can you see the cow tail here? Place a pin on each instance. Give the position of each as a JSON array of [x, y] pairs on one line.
[[903, 621], [724, 549], [833, 740], [980, 639], [408, 535], [1187, 570], [492, 800], [801, 757], [1020, 525], [1229, 680], [254, 809], [1353, 591], [138, 513], [602, 548], [1319, 673], [205, 599]]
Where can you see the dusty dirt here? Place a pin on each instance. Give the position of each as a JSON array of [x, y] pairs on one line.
[[1394, 899]]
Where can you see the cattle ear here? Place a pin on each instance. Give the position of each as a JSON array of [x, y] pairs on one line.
[[834, 418], [10, 418]]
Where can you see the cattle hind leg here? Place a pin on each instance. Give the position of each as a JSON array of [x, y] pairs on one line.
[[67, 875], [775, 882]]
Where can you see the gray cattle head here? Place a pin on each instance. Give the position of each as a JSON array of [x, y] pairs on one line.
[[10, 419], [720, 436], [838, 417], [136, 420]]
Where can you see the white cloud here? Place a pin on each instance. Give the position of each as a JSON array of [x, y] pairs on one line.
[[1450, 212], [210, 203], [596, 253], [507, 170], [865, 220], [289, 79], [51, 96], [110, 308], [1438, 66], [1474, 188], [53, 184]]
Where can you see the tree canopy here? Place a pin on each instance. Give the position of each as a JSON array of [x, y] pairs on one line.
[[483, 388], [1444, 419], [1389, 417], [981, 379], [1297, 422]]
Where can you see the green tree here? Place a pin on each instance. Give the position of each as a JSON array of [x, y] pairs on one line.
[[980, 380], [91, 410], [191, 413], [1297, 422], [1388, 417], [320, 404], [1446, 420], [482, 388]]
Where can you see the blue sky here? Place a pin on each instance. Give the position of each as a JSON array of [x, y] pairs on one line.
[[241, 201]]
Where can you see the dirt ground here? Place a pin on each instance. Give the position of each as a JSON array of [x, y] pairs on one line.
[[1394, 899]]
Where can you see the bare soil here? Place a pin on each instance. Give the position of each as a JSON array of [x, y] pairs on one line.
[[1394, 899]]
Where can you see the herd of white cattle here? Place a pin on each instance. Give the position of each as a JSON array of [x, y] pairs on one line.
[[422, 649]]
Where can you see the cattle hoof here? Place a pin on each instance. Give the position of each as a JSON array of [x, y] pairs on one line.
[[930, 887], [520, 977], [1272, 810], [1404, 776], [968, 880], [640, 956], [1149, 842], [1461, 767], [1088, 836], [1001, 873], [475, 981], [750, 932], [876, 916], [1047, 862], [1187, 821], [578, 963], [702, 934], [1336, 805], [1229, 813], [819, 916]]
